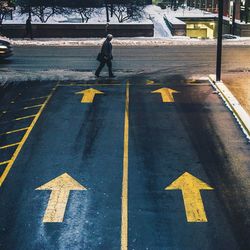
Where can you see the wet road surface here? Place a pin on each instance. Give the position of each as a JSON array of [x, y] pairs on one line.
[[193, 59], [146, 162]]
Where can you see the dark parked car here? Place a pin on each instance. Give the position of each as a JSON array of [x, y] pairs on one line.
[[6, 49]]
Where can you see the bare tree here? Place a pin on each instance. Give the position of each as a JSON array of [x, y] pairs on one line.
[[129, 11], [85, 13], [43, 13]]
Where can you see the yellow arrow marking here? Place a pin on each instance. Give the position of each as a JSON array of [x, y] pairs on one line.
[[60, 187], [166, 94], [190, 187], [88, 95], [150, 82]]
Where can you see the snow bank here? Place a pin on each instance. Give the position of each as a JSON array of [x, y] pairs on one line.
[[11, 76], [140, 41], [50, 75]]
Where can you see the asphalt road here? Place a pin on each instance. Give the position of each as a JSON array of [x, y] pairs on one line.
[[173, 59], [114, 158]]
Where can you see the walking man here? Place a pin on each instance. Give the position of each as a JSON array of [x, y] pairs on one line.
[[28, 28], [105, 57]]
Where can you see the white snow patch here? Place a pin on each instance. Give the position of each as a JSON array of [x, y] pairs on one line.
[[12, 76], [151, 14], [138, 41]]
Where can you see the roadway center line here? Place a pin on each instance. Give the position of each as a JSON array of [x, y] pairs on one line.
[[25, 137], [124, 207]]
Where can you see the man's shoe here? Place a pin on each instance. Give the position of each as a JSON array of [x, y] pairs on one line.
[[112, 76]]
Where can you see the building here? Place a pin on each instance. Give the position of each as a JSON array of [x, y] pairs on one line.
[[242, 7]]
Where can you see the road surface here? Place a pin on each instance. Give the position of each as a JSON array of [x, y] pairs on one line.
[[149, 161], [173, 59]]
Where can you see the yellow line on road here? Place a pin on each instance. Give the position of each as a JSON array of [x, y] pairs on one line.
[[89, 84], [124, 212], [25, 117], [25, 137], [9, 145], [40, 97], [31, 107], [14, 131], [4, 162]]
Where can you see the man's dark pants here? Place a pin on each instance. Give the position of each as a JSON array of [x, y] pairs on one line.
[[102, 64]]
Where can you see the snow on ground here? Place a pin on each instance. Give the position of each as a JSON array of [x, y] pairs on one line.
[[138, 41], [154, 14], [50, 75], [172, 15], [12, 76], [97, 17], [151, 14]]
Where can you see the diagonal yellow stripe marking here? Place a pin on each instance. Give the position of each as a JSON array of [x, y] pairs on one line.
[[4, 162], [24, 117], [124, 212], [25, 137], [40, 97], [31, 107], [9, 145], [14, 131]]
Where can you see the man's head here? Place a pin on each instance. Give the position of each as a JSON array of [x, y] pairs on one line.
[[109, 37]]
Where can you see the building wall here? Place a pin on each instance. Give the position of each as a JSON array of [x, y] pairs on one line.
[[212, 6], [79, 30]]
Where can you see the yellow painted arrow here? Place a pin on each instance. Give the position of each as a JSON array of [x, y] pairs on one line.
[[88, 95], [150, 82], [166, 94], [60, 187], [190, 187]]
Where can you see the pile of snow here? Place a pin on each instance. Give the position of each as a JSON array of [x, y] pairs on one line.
[[50, 75], [129, 42], [12, 76], [4, 38], [156, 16]]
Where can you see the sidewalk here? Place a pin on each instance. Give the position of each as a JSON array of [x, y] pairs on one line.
[[235, 91], [239, 85]]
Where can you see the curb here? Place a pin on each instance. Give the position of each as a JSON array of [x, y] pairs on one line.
[[232, 103]]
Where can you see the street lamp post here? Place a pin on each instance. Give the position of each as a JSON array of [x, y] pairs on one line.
[[219, 41]]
